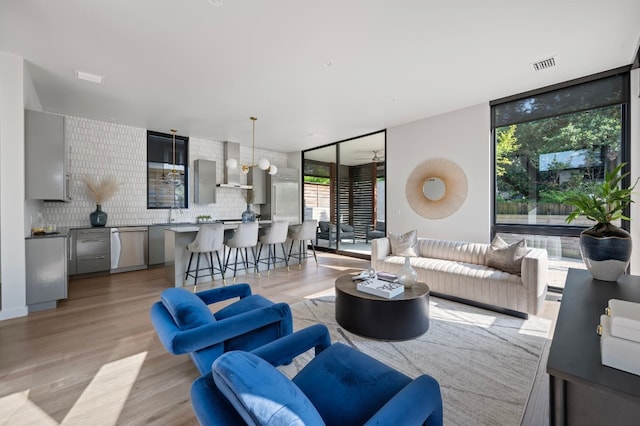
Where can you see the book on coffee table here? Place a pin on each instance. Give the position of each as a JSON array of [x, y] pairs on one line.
[[387, 276], [380, 288]]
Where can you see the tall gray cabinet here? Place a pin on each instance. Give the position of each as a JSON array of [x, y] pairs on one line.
[[46, 174]]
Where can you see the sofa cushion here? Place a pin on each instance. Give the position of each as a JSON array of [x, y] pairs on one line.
[[505, 257], [404, 244], [344, 227], [187, 310], [260, 393]]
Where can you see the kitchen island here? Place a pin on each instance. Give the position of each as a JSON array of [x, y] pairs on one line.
[[176, 241]]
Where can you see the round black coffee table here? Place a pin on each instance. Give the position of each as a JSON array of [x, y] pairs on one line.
[[403, 317]]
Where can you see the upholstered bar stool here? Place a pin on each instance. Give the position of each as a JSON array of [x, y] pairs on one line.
[[208, 240], [244, 237], [301, 234], [274, 235]]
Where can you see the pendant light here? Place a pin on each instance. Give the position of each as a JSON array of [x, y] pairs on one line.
[[174, 176], [263, 164]]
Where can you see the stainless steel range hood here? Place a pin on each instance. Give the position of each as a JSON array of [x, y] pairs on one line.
[[232, 176]]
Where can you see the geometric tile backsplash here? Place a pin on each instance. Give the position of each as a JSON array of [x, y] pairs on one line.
[[101, 149]]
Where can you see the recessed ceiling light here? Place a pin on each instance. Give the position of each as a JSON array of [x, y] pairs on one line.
[[94, 78], [328, 64], [216, 3], [313, 135]]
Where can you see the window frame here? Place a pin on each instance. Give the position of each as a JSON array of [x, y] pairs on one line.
[[625, 148], [185, 163]]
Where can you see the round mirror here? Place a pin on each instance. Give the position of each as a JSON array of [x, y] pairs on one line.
[[433, 188]]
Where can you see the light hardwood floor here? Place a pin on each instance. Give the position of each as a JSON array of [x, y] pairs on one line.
[[96, 358]]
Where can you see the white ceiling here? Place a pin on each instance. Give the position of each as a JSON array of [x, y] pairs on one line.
[[313, 72]]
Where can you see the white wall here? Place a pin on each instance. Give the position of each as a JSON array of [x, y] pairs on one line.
[[101, 149], [462, 136], [12, 246]]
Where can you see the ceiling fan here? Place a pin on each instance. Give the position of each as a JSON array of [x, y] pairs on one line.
[[377, 158]]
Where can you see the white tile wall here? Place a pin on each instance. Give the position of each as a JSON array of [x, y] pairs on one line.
[[103, 149]]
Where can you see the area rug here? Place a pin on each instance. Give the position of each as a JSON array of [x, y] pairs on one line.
[[485, 362]]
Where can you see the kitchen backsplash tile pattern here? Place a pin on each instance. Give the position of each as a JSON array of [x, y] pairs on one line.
[[103, 149]]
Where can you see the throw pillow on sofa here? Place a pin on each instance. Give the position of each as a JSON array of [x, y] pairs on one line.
[[404, 244], [506, 257]]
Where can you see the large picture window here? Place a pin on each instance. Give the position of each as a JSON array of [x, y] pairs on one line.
[[167, 171], [548, 145]]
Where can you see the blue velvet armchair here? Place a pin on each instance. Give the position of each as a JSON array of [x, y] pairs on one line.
[[185, 324], [339, 386]]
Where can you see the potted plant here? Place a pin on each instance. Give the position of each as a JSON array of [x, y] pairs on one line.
[[605, 248]]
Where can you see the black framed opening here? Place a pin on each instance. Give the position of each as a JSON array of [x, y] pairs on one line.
[[548, 144], [167, 171]]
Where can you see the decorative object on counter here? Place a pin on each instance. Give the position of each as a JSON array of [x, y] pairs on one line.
[[605, 248], [407, 276], [100, 191], [204, 218], [263, 164], [248, 215]]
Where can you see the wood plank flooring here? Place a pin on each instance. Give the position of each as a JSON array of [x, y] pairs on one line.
[[96, 359]]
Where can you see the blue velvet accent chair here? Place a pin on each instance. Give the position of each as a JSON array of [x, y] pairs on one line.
[[185, 324], [339, 386]]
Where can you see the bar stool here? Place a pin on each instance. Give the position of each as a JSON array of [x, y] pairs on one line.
[[275, 234], [245, 236], [303, 233], [208, 240]]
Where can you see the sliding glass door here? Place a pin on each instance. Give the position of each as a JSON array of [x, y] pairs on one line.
[[344, 189]]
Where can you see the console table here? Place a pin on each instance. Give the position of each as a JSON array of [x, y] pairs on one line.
[[582, 391]]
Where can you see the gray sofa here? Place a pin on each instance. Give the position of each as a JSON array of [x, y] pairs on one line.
[[328, 231], [458, 270]]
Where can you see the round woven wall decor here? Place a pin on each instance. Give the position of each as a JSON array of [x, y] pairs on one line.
[[442, 171]]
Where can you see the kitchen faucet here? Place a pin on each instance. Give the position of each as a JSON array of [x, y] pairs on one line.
[[171, 208]]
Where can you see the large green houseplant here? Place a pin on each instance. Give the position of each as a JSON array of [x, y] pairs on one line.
[[605, 248]]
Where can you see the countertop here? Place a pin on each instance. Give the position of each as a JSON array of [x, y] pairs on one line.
[[61, 233]]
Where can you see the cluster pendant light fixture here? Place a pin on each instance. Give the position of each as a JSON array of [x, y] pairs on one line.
[[174, 176], [263, 164]]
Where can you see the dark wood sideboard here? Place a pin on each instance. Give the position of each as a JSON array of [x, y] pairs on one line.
[[582, 390]]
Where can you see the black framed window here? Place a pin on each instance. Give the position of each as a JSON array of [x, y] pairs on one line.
[[548, 144], [167, 171]]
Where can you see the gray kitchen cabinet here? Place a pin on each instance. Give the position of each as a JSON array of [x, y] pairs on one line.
[[156, 241], [93, 250], [257, 179], [205, 181], [71, 243], [156, 244], [46, 262], [46, 175]]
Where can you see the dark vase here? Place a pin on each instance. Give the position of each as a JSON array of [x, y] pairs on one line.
[[606, 250], [248, 215], [98, 217]]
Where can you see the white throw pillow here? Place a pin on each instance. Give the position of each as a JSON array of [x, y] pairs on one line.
[[404, 244]]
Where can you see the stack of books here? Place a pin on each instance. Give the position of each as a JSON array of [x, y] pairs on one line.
[[380, 287], [619, 331]]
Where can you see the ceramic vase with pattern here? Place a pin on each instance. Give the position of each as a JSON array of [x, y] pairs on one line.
[[248, 215], [606, 250]]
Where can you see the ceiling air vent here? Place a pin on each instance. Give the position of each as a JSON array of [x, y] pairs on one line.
[[544, 64]]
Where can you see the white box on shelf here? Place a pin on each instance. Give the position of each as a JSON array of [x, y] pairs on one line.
[[380, 288], [625, 319], [616, 352]]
